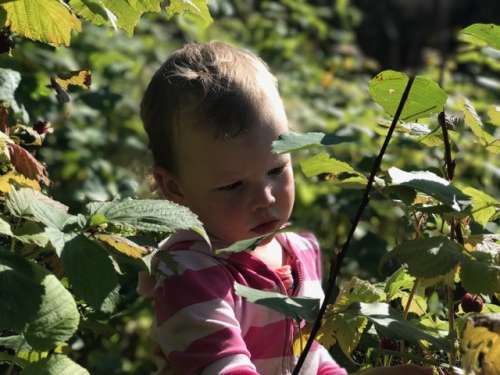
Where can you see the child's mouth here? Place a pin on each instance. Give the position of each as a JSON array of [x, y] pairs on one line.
[[266, 227]]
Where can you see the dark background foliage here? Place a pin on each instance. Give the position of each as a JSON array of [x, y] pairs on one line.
[[324, 53]]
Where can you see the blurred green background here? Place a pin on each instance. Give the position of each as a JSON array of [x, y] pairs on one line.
[[323, 53]]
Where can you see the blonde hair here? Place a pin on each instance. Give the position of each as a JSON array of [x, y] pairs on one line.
[[212, 85]]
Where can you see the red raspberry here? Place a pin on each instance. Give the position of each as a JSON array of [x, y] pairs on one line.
[[388, 344], [472, 302]]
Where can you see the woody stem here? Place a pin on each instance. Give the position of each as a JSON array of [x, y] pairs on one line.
[[337, 261]]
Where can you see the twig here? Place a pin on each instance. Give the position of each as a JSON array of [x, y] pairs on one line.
[[337, 261], [410, 299]]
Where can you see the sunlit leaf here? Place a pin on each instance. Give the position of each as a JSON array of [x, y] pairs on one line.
[[397, 282], [425, 97], [338, 172], [149, 215], [123, 245], [429, 257], [418, 303], [32, 204], [430, 184], [47, 21], [294, 307], [31, 233], [484, 206], [57, 317], [197, 8], [390, 324], [357, 290], [494, 114], [482, 34], [56, 364], [343, 328], [123, 13], [475, 123], [292, 141]]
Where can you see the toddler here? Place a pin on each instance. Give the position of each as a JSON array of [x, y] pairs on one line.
[[211, 113]]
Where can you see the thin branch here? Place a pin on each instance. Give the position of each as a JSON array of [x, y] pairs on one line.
[[337, 261]]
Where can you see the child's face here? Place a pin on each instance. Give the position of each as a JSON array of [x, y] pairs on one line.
[[237, 186]]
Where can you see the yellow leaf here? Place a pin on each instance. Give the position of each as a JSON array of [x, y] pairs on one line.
[[7, 179], [123, 245], [48, 21], [80, 78], [494, 114], [481, 345]]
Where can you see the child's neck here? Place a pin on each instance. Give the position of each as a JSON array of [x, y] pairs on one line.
[[270, 253]]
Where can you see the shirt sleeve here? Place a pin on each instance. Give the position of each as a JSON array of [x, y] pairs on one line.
[[327, 366], [196, 326]]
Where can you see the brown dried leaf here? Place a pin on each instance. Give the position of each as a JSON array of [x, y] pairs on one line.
[[26, 164]]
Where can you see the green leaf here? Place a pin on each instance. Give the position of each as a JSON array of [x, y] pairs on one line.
[[94, 11], [243, 245], [425, 97], [482, 34], [429, 257], [481, 272], [344, 328], [390, 324], [5, 228], [494, 114], [292, 141], [431, 184], [17, 342], [248, 244], [57, 317], [483, 205], [473, 120], [196, 8], [397, 282], [20, 291], [47, 21], [31, 204], [50, 215], [31, 233], [56, 364], [149, 215], [35, 301], [91, 273], [58, 238], [118, 13], [357, 290], [294, 307], [338, 171]]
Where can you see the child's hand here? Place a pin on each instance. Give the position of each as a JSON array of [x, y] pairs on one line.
[[399, 370]]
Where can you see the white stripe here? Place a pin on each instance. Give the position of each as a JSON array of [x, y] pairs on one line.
[[227, 363], [194, 322], [186, 260]]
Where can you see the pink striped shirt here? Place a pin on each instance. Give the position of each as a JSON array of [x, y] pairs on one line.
[[203, 327]]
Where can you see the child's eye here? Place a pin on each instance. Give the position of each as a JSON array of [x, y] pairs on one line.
[[276, 171], [230, 187]]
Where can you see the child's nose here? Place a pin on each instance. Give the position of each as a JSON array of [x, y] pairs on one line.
[[264, 196]]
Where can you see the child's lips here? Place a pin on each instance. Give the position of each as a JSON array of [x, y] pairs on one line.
[[266, 227]]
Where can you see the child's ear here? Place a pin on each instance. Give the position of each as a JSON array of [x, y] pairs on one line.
[[168, 184]]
